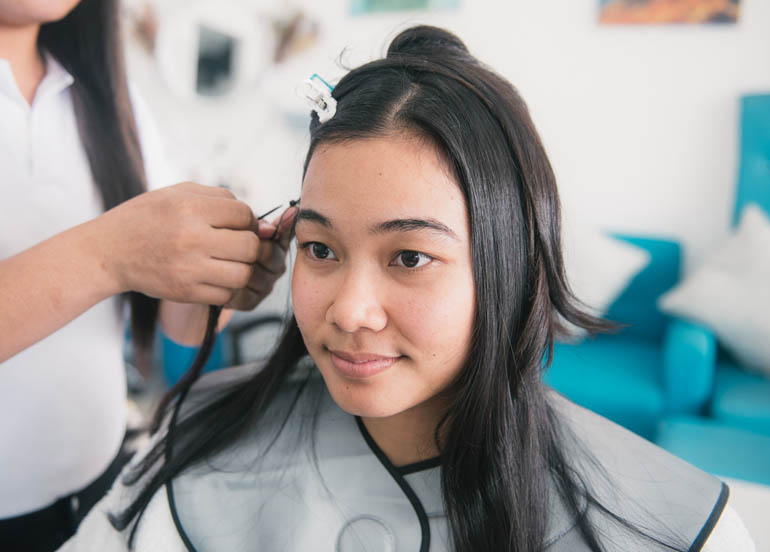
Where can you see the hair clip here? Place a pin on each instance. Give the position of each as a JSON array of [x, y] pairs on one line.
[[318, 94]]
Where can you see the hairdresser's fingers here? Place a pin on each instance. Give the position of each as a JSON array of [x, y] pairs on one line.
[[226, 274], [280, 229], [260, 285], [245, 299], [265, 230], [235, 245], [272, 258], [206, 294], [262, 281], [286, 227], [260, 226], [228, 213], [200, 189]]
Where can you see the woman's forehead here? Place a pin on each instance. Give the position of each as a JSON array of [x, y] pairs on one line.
[[382, 179]]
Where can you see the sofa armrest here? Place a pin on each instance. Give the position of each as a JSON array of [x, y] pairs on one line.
[[689, 363]]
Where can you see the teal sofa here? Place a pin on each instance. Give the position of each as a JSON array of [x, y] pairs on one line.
[[653, 366], [741, 398], [733, 437]]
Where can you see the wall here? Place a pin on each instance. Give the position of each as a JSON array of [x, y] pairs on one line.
[[640, 122]]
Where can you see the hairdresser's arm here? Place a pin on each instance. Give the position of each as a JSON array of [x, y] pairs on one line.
[[186, 243]]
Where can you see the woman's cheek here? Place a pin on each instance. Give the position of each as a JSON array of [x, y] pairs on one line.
[[307, 298], [298, 291], [453, 313], [439, 316]]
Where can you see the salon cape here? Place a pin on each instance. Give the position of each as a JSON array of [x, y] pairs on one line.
[[320, 482]]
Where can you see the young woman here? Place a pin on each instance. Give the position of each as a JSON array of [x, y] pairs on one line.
[[70, 149], [403, 409]]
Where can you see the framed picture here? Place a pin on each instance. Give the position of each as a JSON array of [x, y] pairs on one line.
[[614, 12], [360, 7]]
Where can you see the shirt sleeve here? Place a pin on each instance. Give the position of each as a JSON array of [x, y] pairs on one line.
[[729, 534], [158, 168]]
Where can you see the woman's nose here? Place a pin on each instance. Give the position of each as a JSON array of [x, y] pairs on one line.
[[356, 305]]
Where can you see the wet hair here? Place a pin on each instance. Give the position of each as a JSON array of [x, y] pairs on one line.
[[501, 441], [87, 44]]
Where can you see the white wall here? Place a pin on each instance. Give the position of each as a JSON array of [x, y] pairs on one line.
[[640, 122]]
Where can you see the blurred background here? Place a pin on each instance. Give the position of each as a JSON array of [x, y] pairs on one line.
[[656, 118], [640, 121]]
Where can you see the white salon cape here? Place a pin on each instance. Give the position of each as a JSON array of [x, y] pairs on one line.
[[319, 482], [62, 400]]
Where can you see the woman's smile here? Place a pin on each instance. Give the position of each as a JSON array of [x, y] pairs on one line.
[[361, 365]]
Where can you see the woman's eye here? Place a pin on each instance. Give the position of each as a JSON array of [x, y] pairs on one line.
[[319, 251], [412, 259]]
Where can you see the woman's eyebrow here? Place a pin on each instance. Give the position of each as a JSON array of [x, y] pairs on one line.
[[313, 216], [396, 225], [411, 224]]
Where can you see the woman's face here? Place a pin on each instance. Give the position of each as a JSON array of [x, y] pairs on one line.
[[33, 12], [383, 286]]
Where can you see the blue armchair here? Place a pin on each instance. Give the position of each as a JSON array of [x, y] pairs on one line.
[[653, 366], [734, 438]]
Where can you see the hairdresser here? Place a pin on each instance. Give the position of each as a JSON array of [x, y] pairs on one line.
[[81, 239]]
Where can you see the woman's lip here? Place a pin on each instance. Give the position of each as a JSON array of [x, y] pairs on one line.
[[361, 365]]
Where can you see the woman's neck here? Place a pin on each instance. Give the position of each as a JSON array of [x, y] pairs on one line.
[[409, 436], [18, 45]]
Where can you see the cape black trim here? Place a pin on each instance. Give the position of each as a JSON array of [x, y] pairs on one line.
[[175, 516], [712, 520], [420, 466], [399, 479]]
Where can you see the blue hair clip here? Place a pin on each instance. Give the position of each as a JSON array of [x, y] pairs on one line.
[[318, 94]]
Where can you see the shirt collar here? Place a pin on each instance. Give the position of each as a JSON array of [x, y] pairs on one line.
[[55, 80], [8, 86]]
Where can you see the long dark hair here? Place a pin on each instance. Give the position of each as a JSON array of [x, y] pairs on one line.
[[502, 442], [87, 44]]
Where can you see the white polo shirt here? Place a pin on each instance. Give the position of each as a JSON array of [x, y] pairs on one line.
[[63, 400]]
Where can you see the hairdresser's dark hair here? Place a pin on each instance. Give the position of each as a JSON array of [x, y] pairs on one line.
[[87, 44], [502, 442]]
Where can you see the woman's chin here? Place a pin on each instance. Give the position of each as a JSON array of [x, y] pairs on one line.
[[366, 401]]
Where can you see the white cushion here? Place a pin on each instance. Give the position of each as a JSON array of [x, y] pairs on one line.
[[599, 267], [730, 292]]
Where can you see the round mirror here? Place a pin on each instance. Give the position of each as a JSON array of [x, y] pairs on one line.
[[211, 50]]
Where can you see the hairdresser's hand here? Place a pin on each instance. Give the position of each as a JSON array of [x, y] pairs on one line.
[[186, 243], [271, 261]]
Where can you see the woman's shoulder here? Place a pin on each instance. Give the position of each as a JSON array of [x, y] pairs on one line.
[[638, 480], [155, 527]]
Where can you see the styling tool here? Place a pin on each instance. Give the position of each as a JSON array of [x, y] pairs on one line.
[[318, 94]]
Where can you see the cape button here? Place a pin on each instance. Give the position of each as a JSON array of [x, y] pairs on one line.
[[368, 533]]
